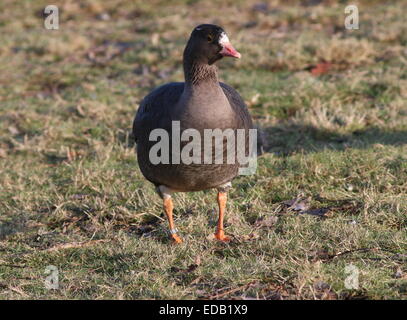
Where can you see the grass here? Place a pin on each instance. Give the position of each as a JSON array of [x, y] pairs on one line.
[[72, 196]]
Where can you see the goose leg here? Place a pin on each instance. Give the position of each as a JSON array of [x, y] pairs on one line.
[[168, 208], [220, 234]]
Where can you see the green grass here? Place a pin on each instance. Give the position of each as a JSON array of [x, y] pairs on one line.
[[69, 174]]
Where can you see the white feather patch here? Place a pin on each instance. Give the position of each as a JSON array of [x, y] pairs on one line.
[[223, 38]]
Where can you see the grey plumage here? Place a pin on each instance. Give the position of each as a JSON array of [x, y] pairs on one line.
[[157, 110], [199, 103]]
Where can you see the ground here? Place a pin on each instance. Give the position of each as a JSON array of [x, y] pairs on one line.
[[329, 195]]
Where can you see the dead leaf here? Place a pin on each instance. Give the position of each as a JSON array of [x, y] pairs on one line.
[[321, 68]]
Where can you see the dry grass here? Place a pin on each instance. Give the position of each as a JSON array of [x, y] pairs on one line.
[[71, 193]]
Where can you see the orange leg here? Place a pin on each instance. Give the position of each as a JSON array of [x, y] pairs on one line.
[[220, 234], [168, 207]]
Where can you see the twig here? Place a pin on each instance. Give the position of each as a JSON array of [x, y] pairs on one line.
[[12, 265], [227, 292], [76, 245]]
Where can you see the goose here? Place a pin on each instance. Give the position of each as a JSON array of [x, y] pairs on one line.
[[199, 104]]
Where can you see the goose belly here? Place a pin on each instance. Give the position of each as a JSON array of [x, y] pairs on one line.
[[188, 177]]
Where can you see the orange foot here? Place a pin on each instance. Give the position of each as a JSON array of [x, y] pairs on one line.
[[177, 239], [220, 235]]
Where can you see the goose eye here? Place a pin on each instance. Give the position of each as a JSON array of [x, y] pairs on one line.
[[210, 38]]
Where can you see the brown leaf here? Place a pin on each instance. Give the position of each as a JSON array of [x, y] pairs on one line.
[[321, 68]]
